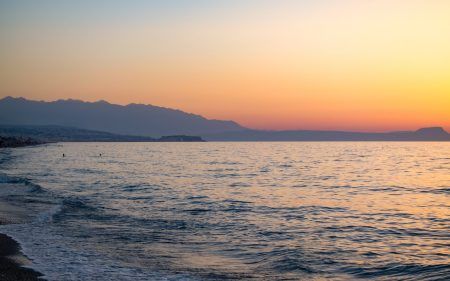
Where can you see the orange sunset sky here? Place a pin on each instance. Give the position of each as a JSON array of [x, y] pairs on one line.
[[281, 64]]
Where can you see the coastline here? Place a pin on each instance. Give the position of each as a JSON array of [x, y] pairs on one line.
[[13, 142], [12, 261]]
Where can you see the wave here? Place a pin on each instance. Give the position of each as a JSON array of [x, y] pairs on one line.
[[399, 271], [4, 178], [35, 193], [47, 216]]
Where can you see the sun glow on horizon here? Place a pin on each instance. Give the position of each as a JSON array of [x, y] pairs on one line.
[[348, 65]]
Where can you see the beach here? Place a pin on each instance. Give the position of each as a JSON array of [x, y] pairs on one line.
[[10, 268], [12, 260]]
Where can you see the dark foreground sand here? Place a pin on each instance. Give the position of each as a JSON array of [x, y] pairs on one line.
[[10, 269], [12, 261]]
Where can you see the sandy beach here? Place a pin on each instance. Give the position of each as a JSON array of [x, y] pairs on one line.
[[12, 261]]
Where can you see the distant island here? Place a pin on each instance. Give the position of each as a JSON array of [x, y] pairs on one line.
[[74, 120]]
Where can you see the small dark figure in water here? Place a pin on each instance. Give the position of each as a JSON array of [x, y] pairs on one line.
[[64, 155], [100, 155]]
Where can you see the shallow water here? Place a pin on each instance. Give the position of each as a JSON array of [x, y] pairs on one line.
[[219, 211]]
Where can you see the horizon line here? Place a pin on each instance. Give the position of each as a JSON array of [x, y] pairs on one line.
[[102, 101]]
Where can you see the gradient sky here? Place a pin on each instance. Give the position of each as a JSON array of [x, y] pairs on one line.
[[282, 64]]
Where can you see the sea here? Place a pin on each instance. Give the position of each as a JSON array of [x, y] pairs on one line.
[[232, 211]]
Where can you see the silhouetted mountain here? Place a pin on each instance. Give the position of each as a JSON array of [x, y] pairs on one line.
[[109, 122], [424, 134], [68, 134], [132, 119]]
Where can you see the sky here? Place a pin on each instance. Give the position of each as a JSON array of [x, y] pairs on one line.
[[282, 64]]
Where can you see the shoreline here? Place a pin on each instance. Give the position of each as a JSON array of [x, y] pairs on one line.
[[13, 261], [14, 142], [10, 268]]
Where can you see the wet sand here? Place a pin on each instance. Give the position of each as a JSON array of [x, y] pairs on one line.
[[11, 268], [12, 260]]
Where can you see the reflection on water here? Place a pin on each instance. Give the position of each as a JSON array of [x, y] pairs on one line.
[[269, 211]]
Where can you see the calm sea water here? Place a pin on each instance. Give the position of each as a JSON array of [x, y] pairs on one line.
[[221, 211]]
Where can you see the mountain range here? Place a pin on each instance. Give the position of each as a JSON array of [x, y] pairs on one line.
[[65, 120], [132, 119]]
